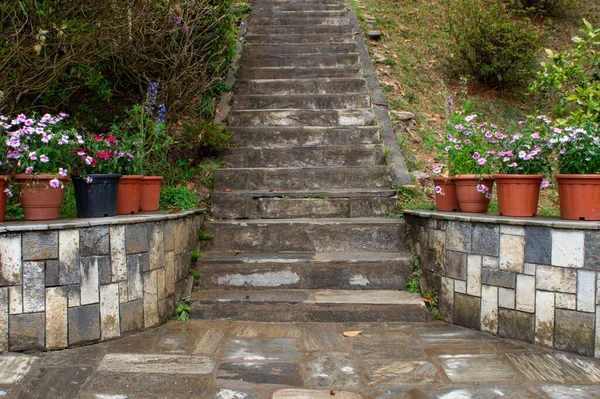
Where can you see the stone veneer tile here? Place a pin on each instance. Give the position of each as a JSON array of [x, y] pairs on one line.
[[68, 257], [136, 238], [557, 279], [131, 316], [94, 241], [498, 278], [4, 317], [40, 245], [33, 287], [574, 332], [89, 281], [467, 311], [161, 283], [109, 311], [15, 298], [74, 294], [544, 318], [512, 230], [474, 275], [456, 265], [566, 301], [538, 245], [506, 298], [586, 291], [597, 349], [592, 250], [168, 232], [460, 286], [56, 317], [150, 299], [491, 262], [27, 331], [458, 236], [489, 309], [485, 239], [10, 254], [157, 248], [446, 304], [568, 248], [525, 293], [529, 269], [512, 253], [52, 273], [170, 273], [104, 270], [84, 324], [123, 296], [135, 286], [516, 325], [437, 243], [118, 256]]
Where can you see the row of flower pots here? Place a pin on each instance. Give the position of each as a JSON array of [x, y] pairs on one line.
[[98, 195], [518, 195]]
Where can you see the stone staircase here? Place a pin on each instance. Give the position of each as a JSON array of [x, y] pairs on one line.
[[302, 220]]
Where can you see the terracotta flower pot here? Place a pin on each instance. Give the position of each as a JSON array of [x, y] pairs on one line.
[[518, 194], [38, 200], [469, 199], [150, 193], [446, 202], [128, 196], [3, 185], [579, 196]]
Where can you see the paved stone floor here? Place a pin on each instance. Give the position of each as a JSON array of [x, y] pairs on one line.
[[241, 360]]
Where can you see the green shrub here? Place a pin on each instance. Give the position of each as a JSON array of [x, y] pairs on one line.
[[178, 197], [493, 44], [543, 6]]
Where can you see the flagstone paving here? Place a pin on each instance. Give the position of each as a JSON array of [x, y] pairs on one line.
[[213, 359]]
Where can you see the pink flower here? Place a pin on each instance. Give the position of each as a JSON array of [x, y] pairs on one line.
[[29, 170], [470, 117], [482, 161], [33, 156], [544, 184], [513, 165], [482, 188], [439, 190], [522, 154], [476, 155], [88, 180], [437, 169], [44, 158], [62, 172], [457, 147], [8, 192], [54, 183], [88, 160]]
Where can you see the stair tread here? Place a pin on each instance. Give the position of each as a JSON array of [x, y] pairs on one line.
[[311, 221], [349, 193], [303, 257]]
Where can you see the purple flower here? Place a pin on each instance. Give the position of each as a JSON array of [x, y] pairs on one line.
[[482, 188], [476, 155], [470, 117], [437, 169], [522, 154], [88, 180], [29, 170], [62, 172], [8, 192], [54, 183], [44, 158], [33, 156], [439, 190], [544, 184], [482, 161]]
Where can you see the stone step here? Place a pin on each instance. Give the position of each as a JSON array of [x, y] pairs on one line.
[[300, 30], [293, 136], [265, 12], [303, 3], [312, 48], [298, 39], [285, 179], [301, 60], [300, 73], [301, 86], [294, 21], [309, 305], [301, 101], [308, 235], [305, 270], [304, 157], [301, 117], [302, 204], [260, 7]]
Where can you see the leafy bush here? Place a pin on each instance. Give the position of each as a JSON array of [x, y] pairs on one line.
[[493, 44], [577, 149], [543, 6], [178, 197], [574, 75]]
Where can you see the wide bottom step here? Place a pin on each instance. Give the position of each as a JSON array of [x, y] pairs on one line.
[[310, 305]]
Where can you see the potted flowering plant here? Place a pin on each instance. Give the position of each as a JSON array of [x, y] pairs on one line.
[[38, 149], [95, 174], [130, 184], [6, 166], [445, 191], [522, 161], [466, 149], [578, 154]]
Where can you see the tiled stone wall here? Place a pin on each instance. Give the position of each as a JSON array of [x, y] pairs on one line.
[[72, 283], [532, 280]]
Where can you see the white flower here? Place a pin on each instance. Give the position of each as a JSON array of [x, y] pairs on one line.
[[55, 183]]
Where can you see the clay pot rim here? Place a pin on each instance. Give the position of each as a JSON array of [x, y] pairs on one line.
[[153, 177], [444, 179], [576, 176], [132, 177], [516, 176], [39, 176], [471, 177]]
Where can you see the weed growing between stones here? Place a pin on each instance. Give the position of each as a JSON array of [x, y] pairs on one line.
[[195, 255], [196, 275], [183, 309], [204, 237]]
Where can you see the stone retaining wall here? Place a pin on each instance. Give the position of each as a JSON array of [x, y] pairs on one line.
[[532, 280], [65, 283]]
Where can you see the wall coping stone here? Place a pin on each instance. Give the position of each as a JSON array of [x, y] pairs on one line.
[[540, 221], [62, 224]]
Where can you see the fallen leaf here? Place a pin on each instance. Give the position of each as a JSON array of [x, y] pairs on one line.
[[236, 252], [428, 300], [175, 210], [227, 190], [332, 392], [191, 186], [352, 333]]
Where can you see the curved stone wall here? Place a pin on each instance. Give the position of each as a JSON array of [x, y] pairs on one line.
[[68, 282], [532, 279]]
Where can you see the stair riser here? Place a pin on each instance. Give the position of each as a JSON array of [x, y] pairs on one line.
[[283, 7], [342, 101], [265, 12], [300, 30], [292, 21], [296, 3], [301, 118], [300, 73], [281, 137], [231, 206], [337, 48], [304, 61], [298, 39], [278, 312], [302, 179], [348, 276], [307, 238], [304, 86], [304, 157]]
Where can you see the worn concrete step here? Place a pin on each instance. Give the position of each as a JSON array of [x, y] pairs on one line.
[[305, 270], [301, 60], [285, 179], [304, 157], [308, 235], [300, 73], [309, 305], [302, 204], [301, 30], [301, 117], [293, 21], [260, 7], [294, 136], [301, 101], [301, 86], [298, 39], [313, 48], [265, 12], [304, 3]]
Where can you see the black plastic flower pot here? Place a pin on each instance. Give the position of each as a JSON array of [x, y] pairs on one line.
[[96, 196]]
